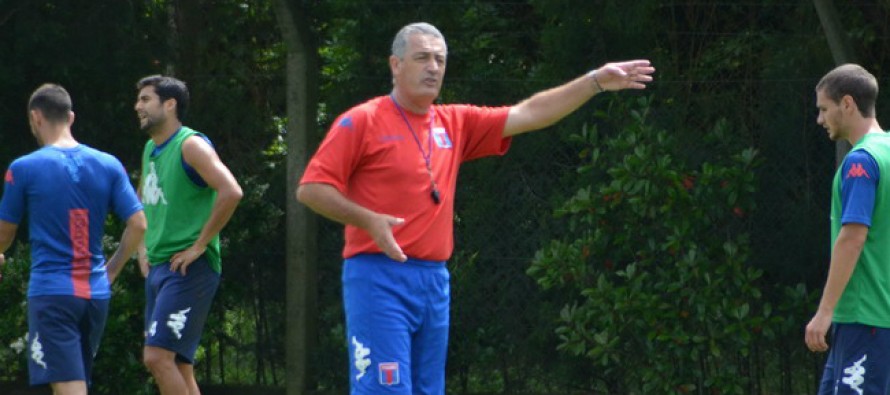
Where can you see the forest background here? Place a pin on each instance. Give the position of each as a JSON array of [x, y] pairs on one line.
[[673, 240]]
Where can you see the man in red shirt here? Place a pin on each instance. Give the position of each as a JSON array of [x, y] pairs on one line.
[[387, 169]]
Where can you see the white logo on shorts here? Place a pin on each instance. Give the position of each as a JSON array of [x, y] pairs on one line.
[[177, 322], [152, 329], [856, 375], [37, 351], [362, 362]]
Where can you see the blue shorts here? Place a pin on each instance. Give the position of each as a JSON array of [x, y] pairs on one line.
[[859, 361], [63, 337], [176, 307], [396, 325]]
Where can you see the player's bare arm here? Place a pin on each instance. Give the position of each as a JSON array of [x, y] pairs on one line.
[[203, 158], [547, 107], [329, 202], [141, 250], [7, 235], [131, 238], [846, 252]]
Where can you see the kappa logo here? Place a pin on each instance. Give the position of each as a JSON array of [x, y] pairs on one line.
[[177, 322], [152, 329], [37, 351], [346, 123], [855, 375], [856, 171], [360, 354], [389, 373], [73, 165], [151, 191]]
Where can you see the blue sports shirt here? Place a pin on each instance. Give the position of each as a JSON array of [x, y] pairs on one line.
[[66, 194]]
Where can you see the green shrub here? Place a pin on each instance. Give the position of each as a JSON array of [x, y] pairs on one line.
[[14, 315], [657, 260]]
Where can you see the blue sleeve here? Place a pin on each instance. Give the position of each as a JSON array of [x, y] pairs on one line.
[[858, 187], [14, 204], [124, 201]]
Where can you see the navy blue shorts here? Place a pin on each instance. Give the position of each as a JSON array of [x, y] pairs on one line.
[[63, 337], [859, 361], [396, 325], [176, 307]]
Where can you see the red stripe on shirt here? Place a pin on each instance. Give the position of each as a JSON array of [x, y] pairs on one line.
[[79, 227]]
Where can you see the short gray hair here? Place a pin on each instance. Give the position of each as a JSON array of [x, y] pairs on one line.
[[401, 40]]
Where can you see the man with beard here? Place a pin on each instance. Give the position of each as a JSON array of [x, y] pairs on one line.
[[189, 195]]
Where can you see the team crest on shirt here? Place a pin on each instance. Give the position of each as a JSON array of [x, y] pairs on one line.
[[440, 136], [389, 373]]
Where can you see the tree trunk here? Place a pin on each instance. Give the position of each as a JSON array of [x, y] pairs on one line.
[[172, 39], [301, 223], [841, 51]]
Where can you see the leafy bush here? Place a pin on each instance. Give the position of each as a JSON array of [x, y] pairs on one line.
[[664, 300], [14, 315], [117, 368]]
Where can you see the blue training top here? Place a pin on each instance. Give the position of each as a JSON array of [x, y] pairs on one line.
[[66, 194]]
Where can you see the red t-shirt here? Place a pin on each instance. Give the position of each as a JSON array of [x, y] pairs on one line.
[[371, 156]]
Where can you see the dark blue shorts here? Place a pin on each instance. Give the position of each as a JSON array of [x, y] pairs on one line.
[[396, 325], [176, 307], [63, 337], [859, 361]]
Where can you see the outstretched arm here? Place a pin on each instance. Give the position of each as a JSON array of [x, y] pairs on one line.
[[547, 107], [201, 156], [329, 202]]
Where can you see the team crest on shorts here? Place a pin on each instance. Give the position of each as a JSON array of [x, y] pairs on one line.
[[389, 373]]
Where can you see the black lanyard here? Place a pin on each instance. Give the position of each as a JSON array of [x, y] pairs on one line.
[[428, 154]]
